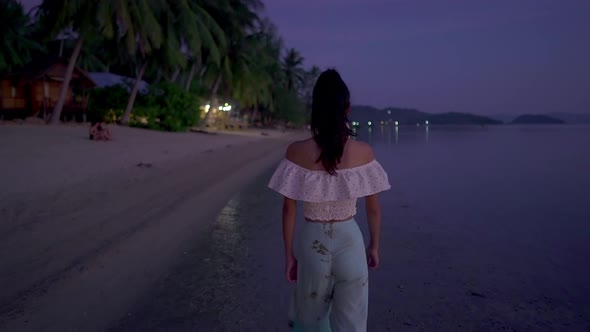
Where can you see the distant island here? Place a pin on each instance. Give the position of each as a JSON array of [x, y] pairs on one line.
[[407, 116], [536, 119], [569, 118]]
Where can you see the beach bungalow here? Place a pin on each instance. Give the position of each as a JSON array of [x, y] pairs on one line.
[[34, 91], [104, 79]]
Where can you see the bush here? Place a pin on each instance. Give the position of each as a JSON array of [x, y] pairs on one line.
[[145, 117], [289, 108], [166, 107], [107, 104]]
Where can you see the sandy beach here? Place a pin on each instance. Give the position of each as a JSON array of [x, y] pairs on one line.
[[178, 232], [87, 227]]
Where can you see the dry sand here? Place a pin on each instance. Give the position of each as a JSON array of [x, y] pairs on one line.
[[40, 157], [87, 227]]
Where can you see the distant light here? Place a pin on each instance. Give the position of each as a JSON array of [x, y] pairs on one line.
[[226, 104], [388, 111], [370, 124], [426, 122], [382, 122], [417, 125], [396, 123], [220, 108]]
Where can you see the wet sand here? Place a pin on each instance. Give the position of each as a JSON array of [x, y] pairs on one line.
[[231, 280], [437, 273]]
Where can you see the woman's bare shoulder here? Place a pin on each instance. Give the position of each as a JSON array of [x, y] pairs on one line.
[[362, 152], [297, 151]]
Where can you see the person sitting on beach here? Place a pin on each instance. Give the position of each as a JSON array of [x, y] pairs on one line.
[[99, 131], [328, 173]]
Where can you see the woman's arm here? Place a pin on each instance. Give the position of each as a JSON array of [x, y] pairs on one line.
[[289, 216], [374, 219]]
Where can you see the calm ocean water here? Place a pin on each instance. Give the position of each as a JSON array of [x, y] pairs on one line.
[[492, 222]]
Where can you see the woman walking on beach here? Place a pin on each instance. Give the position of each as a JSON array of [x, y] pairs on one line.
[[328, 172]]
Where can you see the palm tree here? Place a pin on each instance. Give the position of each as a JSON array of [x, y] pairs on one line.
[[209, 37], [238, 18], [253, 86], [135, 25], [306, 92], [189, 31], [292, 67], [17, 45], [131, 22], [313, 74], [166, 32], [92, 56], [57, 15], [169, 57], [309, 78]]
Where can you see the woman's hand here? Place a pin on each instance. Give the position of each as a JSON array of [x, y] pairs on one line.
[[373, 258], [291, 269], [374, 219]]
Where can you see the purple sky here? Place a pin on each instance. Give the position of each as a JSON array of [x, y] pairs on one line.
[[480, 56]]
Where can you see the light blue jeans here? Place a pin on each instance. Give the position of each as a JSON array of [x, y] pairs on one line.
[[332, 289]]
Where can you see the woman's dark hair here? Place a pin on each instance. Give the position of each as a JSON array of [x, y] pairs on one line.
[[329, 122]]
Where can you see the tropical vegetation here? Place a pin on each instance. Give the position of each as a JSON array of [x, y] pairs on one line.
[[191, 52]]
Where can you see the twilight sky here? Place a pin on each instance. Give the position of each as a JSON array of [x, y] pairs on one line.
[[480, 56]]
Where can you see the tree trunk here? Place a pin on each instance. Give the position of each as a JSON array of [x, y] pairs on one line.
[[254, 114], [55, 115], [175, 75], [158, 77], [211, 97], [189, 79], [127, 114], [202, 73], [61, 48]]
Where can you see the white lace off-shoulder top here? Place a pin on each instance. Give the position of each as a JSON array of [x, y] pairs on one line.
[[328, 197]]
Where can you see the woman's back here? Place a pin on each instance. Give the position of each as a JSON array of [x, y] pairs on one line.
[[325, 196], [328, 173], [306, 154]]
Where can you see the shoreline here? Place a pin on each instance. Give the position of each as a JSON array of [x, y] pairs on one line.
[[156, 253], [231, 280], [83, 249]]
